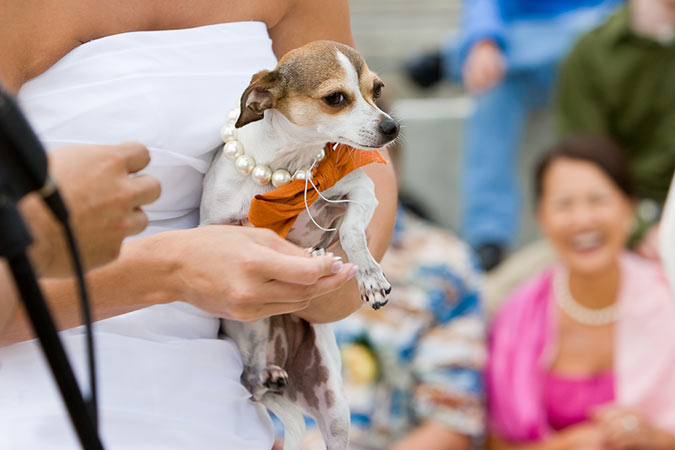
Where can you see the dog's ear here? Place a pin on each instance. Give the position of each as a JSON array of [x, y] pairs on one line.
[[265, 89]]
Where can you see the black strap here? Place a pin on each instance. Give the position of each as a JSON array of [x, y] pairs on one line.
[[14, 239]]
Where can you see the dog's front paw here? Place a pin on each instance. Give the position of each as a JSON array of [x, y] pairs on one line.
[[373, 286], [274, 378]]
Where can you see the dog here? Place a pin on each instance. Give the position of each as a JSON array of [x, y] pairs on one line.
[[320, 93]]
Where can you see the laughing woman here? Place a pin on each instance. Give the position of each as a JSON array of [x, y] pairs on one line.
[[583, 355]]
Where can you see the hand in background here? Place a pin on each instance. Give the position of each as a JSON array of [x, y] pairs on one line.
[[104, 200], [245, 273], [625, 428], [484, 67], [584, 436]]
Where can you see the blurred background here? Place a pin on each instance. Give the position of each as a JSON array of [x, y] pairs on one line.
[[390, 32]]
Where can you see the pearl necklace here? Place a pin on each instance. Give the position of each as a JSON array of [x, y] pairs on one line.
[[577, 311], [262, 174]]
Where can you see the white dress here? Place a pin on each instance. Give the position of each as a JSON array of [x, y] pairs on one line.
[[165, 380]]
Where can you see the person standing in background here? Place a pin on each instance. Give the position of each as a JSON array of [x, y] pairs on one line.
[[507, 56]]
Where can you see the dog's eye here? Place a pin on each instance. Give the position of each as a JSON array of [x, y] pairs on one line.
[[377, 90], [335, 99]]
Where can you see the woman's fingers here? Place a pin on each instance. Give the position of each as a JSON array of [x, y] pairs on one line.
[[301, 270], [136, 222], [136, 157], [271, 240], [280, 291], [147, 189]]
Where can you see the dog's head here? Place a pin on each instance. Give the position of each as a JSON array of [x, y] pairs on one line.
[[327, 89]]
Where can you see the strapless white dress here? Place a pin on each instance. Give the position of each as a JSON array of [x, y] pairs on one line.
[[165, 380]]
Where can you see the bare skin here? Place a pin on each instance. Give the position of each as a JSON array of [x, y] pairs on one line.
[[433, 436], [171, 266]]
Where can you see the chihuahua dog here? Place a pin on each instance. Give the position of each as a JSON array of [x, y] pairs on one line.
[[320, 93]]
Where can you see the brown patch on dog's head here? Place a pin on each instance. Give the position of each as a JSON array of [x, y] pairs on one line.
[[302, 80]]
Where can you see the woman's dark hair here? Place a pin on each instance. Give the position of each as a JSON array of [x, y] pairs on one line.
[[601, 151]]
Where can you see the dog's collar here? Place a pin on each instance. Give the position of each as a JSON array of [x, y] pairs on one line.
[[245, 164]]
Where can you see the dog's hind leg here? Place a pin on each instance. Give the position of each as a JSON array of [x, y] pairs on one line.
[[326, 401], [252, 340]]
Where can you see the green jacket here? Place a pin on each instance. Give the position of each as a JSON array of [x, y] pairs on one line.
[[619, 84]]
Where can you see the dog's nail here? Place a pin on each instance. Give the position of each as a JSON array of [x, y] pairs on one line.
[[336, 267], [387, 290], [352, 272]]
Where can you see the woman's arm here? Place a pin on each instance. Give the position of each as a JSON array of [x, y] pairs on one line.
[[311, 20], [433, 436], [7, 295], [235, 272], [584, 436]]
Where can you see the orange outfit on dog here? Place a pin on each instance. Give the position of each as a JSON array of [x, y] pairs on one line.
[[278, 209]]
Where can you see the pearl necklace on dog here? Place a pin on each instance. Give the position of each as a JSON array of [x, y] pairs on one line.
[[577, 311], [246, 165], [263, 174]]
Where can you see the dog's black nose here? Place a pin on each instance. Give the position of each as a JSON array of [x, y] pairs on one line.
[[389, 128]]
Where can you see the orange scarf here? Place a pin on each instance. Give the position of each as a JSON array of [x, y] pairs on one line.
[[278, 209]]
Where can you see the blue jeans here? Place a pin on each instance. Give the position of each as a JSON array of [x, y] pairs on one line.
[[490, 191], [491, 198]]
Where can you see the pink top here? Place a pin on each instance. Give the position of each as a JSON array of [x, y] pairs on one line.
[[570, 400], [523, 340]]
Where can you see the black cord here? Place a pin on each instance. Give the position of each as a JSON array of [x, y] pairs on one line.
[[46, 331], [92, 401], [55, 202], [14, 241]]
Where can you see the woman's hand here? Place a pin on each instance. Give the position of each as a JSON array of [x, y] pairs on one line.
[[484, 67], [625, 428], [247, 274], [103, 194], [584, 436]]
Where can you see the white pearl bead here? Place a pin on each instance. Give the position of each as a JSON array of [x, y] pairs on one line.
[[261, 174], [281, 177], [320, 156], [244, 164], [233, 149], [302, 174], [233, 115], [228, 133]]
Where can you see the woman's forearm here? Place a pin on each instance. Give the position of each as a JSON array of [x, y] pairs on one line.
[[7, 296], [141, 277], [554, 443], [433, 436], [341, 303]]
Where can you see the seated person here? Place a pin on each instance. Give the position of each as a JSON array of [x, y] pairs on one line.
[[583, 355]]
